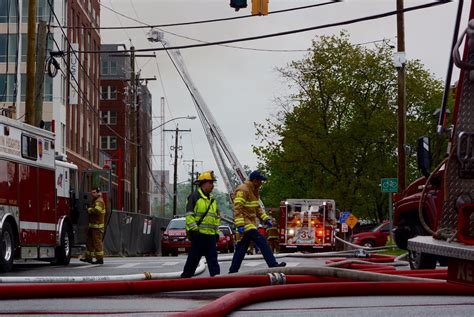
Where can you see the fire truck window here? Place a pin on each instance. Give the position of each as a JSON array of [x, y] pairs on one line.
[[29, 147]]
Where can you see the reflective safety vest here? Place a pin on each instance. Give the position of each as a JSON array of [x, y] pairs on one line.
[[97, 213], [247, 207], [196, 207]]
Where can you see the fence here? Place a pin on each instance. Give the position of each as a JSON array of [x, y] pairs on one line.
[[131, 234]]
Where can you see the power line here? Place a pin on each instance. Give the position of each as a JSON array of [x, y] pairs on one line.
[[259, 37], [78, 89], [146, 25]]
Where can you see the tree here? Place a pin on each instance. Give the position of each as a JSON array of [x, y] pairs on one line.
[[336, 136]]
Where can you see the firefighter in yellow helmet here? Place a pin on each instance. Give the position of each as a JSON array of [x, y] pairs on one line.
[[95, 231], [202, 226]]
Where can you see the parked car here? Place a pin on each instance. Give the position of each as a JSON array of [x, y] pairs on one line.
[[376, 237], [222, 243], [174, 240], [229, 236]]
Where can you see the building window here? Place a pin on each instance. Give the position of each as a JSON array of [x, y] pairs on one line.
[[108, 142], [109, 68], [8, 42], [42, 10], [7, 87], [108, 117], [108, 92], [47, 89], [8, 11]]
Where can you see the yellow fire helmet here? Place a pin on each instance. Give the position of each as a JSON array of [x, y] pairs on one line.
[[206, 176]]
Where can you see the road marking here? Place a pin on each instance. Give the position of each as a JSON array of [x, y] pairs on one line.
[[292, 264], [253, 263], [127, 265], [170, 263]]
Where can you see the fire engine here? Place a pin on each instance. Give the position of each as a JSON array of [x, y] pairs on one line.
[[35, 196], [307, 224], [434, 216]]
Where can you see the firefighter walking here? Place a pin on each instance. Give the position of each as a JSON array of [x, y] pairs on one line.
[[246, 210], [202, 226], [95, 231]]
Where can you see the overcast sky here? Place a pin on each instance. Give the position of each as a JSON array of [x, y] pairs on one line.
[[239, 85]]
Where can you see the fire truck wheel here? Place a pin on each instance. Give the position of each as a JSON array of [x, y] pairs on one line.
[[63, 251], [7, 248], [419, 260]]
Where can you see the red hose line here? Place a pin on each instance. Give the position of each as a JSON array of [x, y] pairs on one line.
[[90, 289], [228, 303]]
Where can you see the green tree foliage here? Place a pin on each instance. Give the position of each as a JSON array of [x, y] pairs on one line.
[[336, 137]]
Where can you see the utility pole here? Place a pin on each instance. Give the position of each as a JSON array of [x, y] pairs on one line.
[[133, 132], [30, 64], [192, 172], [175, 177], [39, 81], [401, 100]]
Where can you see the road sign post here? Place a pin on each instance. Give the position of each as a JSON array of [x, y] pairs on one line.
[[389, 185]]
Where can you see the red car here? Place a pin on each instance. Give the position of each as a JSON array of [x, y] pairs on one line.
[[229, 236], [174, 238], [377, 237]]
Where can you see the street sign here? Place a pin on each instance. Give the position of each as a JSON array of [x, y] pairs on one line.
[[389, 185], [352, 221], [344, 227], [343, 216]]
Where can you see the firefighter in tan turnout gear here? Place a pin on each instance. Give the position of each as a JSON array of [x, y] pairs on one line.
[[95, 232], [246, 210]]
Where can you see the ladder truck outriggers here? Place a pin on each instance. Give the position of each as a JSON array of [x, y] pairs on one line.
[[434, 216]]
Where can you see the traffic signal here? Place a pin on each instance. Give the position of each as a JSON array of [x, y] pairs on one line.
[[259, 7], [238, 4]]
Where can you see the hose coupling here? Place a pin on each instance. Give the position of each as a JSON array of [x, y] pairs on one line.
[[147, 275], [277, 278]]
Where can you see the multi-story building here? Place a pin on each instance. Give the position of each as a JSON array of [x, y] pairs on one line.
[[83, 82], [116, 135], [114, 113]]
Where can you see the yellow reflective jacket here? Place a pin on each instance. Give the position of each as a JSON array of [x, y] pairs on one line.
[[97, 213], [247, 207], [195, 210]]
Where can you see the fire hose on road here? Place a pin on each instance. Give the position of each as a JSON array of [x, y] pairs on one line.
[[373, 276]]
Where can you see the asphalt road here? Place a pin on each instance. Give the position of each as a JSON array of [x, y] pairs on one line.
[[162, 304]]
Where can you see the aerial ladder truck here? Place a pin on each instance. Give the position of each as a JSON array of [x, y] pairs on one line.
[[235, 174]]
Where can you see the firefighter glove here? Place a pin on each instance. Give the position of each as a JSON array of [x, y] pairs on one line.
[[240, 230]]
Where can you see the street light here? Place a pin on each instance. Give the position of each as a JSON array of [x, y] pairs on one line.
[[187, 117]]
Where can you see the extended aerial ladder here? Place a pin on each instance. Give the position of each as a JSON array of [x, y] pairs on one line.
[[220, 147]]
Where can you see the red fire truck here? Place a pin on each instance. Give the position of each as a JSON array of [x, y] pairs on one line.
[[434, 216], [35, 196], [307, 224]]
